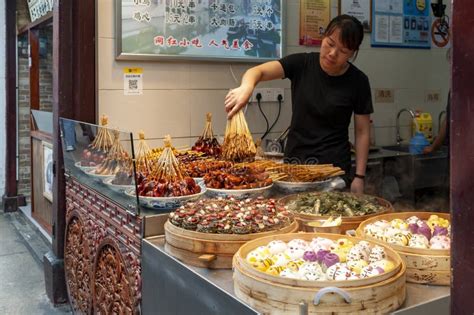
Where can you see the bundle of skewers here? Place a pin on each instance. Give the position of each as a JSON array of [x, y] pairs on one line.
[[303, 173], [97, 151], [207, 142], [143, 157], [117, 159], [142, 163], [238, 143], [166, 179]]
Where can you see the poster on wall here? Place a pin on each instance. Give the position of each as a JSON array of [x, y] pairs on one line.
[[401, 23], [47, 171], [226, 30], [132, 81], [314, 17], [360, 9]]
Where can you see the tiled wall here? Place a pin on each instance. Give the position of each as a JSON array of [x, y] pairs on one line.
[[177, 95], [2, 98]]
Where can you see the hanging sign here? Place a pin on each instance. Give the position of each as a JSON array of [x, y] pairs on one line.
[[314, 17], [401, 23], [132, 81], [39, 8]]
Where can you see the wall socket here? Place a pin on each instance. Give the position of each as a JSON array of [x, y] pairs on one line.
[[268, 94], [432, 96]]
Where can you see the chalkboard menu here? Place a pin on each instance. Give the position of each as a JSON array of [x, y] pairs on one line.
[[222, 30]]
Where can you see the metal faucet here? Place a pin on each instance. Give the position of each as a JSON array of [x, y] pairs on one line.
[[439, 119], [412, 113]]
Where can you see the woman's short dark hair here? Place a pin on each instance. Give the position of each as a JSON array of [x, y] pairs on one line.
[[352, 31]]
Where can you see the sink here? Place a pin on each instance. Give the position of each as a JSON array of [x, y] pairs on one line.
[[416, 171], [399, 148], [441, 152]]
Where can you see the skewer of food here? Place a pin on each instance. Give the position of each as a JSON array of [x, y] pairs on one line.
[[98, 149], [166, 179], [238, 143], [244, 176], [117, 159], [207, 142]]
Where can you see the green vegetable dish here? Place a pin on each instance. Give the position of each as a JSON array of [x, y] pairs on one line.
[[335, 204]]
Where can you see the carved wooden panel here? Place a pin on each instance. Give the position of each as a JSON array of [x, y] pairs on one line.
[[77, 266], [112, 287], [113, 245]]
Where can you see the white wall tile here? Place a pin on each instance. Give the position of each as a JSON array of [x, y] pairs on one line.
[[156, 112], [106, 20]]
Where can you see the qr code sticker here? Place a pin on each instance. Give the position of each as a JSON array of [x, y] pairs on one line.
[[133, 84]]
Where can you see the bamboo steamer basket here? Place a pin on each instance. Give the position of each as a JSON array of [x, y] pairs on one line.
[[210, 250], [348, 223], [277, 295], [424, 266]]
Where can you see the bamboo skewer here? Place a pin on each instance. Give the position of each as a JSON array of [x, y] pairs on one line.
[[167, 166], [143, 154], [238, 143], [103, 140], [297, 172]]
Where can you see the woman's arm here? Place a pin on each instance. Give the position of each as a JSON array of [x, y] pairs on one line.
[[439, 139], [239, 97], [362, 140]]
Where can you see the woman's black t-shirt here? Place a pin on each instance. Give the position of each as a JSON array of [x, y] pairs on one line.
[[322, 108]]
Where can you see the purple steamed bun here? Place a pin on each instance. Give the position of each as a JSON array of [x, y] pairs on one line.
[[321, 254], [424, 230], [413, 228], [439, 230], [310, 256], [330, 259]]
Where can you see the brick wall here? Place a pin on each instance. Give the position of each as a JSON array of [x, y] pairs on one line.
[[46, 72], [24, 168]]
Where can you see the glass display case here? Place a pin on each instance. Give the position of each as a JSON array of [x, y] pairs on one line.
[[103, 159]]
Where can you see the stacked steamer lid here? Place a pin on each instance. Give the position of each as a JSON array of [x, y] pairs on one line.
[[283, 274], [207, 233], [421, 238], [353, 208]]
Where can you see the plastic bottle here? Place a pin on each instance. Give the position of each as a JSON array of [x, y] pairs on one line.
[[372, 133], [423, 122]]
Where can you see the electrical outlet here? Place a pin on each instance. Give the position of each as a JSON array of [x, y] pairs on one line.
[[268, 94], [432, 96], [278, 91]]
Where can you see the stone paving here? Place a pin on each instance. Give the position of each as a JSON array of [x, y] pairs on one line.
[[22, 288]]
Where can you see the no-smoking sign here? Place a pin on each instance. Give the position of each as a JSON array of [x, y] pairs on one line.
[[440, 33]]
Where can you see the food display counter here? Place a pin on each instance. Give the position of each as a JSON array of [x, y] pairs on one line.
[[115, 256], [178, 288]]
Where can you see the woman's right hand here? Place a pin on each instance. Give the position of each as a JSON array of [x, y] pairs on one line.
[[236, 99], [428, 149]]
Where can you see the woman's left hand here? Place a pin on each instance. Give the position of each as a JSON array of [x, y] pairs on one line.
[[357, 186]]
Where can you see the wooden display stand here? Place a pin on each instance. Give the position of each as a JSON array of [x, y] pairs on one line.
[[424, 266], [210, 250], [277, 295], [348, 223]]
